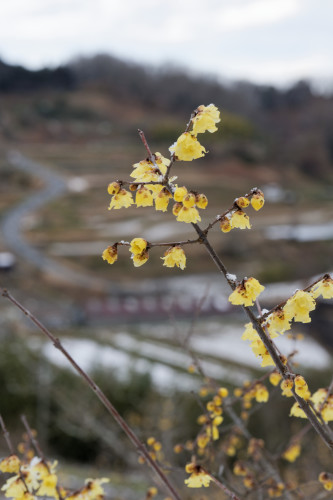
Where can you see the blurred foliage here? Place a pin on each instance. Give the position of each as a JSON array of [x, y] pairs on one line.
[[73, 424]]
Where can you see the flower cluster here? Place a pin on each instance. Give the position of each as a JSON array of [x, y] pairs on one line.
[[198, 477], [326, 479], [155, 448], [322, 402], [236, 217], [187, 147], [153, 186], [35, 478], [257, 345], [187, 203], [246, 292], [296, 308], [211, 420]]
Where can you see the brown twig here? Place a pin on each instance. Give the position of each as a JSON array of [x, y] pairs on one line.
[[162, 244], [220, 485], [256, 322], [38, 449], [6, 436], [280, 306], [141, 449], [145, 143], [11, 449], [267, 341], [226, 212]]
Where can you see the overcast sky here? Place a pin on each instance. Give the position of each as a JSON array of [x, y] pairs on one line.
[[267, 41]]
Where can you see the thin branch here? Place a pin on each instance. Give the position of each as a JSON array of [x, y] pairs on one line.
[[141, 449], [38, 450], [145, 143], [11, 449], [220, 485], [162, 244], [6, 436], [228, 211], [282, 304], [267, 341]]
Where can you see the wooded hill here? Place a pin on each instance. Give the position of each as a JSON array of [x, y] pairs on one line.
[[291, 127]]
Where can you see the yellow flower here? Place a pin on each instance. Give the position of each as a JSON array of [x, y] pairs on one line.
[[301, 387], [213, 430], [174, 256], [114, 188], [240, 469], [91, 491], [155, 189], [123, 199], [189, 200], [276, 490], [201, 201], [161, 162], [48, 486], [250, 333], [326, 480], [319, 397], [162, 200], [246, 293], [225, 225], [261, 393], [205, 119], [242, 202], [140, 259], [176, 208], [138, 245], [258, 200], [151, 492], [296, 411], [277, 322], [223, 392], [10, 464], [240, 219], [180, 193], [110, 254], [249, 482], [14, 487], [299, 306], [144, 197], [292, 452], [323, 288], [178, 448], [144, 171], [203, 440], [198, 477], [286, 386], [275, 378], [187, 148], [259, 349], [323, 404], [188, 215]]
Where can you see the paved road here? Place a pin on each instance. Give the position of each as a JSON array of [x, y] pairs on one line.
[[54, 186]]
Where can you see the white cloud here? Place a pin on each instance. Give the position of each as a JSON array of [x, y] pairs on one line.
[[258, 39], [257, 13], [283, 71]]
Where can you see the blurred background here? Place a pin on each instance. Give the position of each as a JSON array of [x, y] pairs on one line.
[[77, 80]]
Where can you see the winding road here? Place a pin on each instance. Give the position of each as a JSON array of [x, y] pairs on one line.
[[54, 186]]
